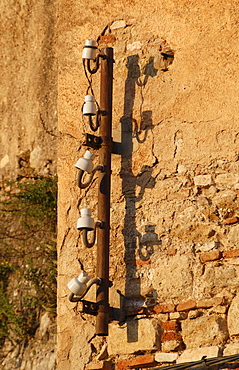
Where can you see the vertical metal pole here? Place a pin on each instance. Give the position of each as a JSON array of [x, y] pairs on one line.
[[103, 235]]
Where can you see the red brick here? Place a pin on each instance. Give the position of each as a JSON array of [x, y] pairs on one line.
[[161, 308], [100, 365], [107, 39], [170, 325], [170, 336], [210, 256], [171, 251], [143, 361], [230, 220], [231, 254], [186, 306]]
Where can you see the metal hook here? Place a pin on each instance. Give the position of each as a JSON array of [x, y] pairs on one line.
[[89, 244], [94, 127], [83, 185]]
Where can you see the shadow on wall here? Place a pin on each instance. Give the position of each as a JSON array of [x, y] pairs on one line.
[[135, 243]]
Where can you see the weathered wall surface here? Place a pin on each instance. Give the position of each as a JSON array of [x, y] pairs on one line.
[[174, 208], [28, 88], [28, 130]]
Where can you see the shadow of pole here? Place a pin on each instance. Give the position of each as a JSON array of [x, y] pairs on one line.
[[129, 188], [129, 131]]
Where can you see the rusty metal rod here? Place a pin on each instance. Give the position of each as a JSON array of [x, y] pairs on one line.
[[103, 235]]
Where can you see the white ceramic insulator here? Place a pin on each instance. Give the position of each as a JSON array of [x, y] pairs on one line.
[[85, 163], [83, 278], [89, 107], [90, 49], [85, 221], [76, 286]]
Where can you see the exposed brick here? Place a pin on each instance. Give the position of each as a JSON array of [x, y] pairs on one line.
[[100, 365], [231, 254], [161, 308], [210, 256], [230, 220], [170, 335], [186, 306], [107, 39], [170, 325], [171, 251], [143, 361]]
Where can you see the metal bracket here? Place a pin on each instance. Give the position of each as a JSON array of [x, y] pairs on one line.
[[121, 315], [92, 141], [90, 308], [95, 142]]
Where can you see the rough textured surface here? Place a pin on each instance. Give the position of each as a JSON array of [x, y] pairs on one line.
[[147, 333], [28, 129], [28, 91], [39, 353], [203, 331], [233, 323], [197, 354], [174, 187]]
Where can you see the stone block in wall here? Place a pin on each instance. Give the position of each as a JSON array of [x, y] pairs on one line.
[[203, 180], [186, 306], [204, 330], [178, 315], [224, 198], [233, 317], [233, 235], [165, 357], [193, 314], [216, 277], [196, 354], [225, 179], [135, 336], [210, 302], [218, 309], [118, 24], [231, 349], [206, 247], [171, 345], [174, 269]]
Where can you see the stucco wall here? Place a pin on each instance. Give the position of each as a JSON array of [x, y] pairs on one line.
[[174, 204]]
